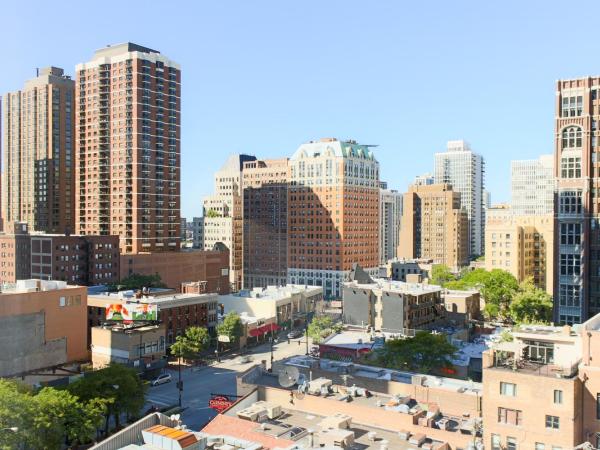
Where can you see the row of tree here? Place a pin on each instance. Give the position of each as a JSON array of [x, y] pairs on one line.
[[505, 298], [52, 417], [322, 326]]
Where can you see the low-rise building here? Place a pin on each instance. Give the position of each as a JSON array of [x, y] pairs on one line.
[[83, 260], [541, 388], [180, 267], [176, 311], [141, 346], [401, 269], [462, 306], [392, 306], [42, 325], [289, 304]]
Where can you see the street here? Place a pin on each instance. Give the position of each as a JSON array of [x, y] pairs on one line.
[[200, 383]]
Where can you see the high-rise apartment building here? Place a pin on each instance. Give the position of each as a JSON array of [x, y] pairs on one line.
[[37, 155], [434, 226], [576, 166], [390, 213], [522, 245], [333, 213], [128, 148], [532, 186], [265, 191], [464, 170], [424, 179], [223, 216]]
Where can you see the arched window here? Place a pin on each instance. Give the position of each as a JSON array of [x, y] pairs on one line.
[[571, 137]]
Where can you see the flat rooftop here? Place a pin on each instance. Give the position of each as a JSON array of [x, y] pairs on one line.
[[108, 298], [33, 285], [275, 292], [395, 286], [353, 339]]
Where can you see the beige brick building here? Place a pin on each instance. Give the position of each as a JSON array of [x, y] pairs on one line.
[[434, 226], [521, 245], [38, 153]]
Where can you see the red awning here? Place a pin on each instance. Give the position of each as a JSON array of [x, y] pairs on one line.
[[264, 329]]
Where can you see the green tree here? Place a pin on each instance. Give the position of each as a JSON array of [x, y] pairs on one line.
[[188, 345], [441, 274], [138, 281], [231, 327], [48, 419], [119, 385], [212, 213], [531, 305], [321, 327], [425, 352]]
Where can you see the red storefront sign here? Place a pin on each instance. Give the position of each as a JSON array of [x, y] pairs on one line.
[[220, 403]]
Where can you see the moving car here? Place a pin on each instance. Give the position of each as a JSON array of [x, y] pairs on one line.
[[161, 379]]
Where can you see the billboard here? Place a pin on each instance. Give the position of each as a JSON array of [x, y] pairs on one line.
[[130, 312]]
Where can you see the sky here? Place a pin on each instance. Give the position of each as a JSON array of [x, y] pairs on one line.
[[262, 77]]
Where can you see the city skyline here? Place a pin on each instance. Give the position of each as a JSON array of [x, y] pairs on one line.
[[292, 93]]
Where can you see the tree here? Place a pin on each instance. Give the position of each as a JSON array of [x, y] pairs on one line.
[[531, 305], [321, 327], [188, 345], [231, 327], [441, 274], [138, 281], [424, 352], [118, 384], [48, 419], [212, 213]]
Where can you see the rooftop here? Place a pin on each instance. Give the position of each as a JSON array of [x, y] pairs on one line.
[[334, 147], [276, 292], [22, 286], [395, 286], [106, 298]]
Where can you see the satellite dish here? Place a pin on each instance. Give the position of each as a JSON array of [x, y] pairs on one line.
[[288, 376]]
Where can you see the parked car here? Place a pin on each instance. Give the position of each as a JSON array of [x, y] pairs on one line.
[[294, 334], [162, 379]]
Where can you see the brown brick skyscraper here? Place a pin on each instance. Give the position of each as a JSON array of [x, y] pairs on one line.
[[128, 148], [333, 213]]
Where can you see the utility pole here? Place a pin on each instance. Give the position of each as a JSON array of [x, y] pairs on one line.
[[179, 383]]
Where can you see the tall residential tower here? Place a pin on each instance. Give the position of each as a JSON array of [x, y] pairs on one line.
[[464, 169], [128, 148], [37, 155], [532, 186]]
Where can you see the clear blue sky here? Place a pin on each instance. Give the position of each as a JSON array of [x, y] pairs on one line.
[[262, 77]]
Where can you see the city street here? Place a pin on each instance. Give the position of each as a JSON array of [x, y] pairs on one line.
[[200, 383]]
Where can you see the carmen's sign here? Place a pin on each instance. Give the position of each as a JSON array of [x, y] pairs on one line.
[[220, 403]]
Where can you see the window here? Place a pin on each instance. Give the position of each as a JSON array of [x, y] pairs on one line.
[[496, 442], [511, 443], [572, 106], [571, 137], [558, 397], [570, 167], [570, 233], [569, 295], [570, 202], [552, 422], [539, 446], [510, 416], [542, 352], [508, 389], [570, 264]]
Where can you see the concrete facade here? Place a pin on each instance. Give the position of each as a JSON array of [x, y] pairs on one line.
[[42, 324], [532, 186], [392, 306], [390, 213]]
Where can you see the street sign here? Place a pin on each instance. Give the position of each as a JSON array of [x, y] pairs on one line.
[[220, 403], [223, 338]]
